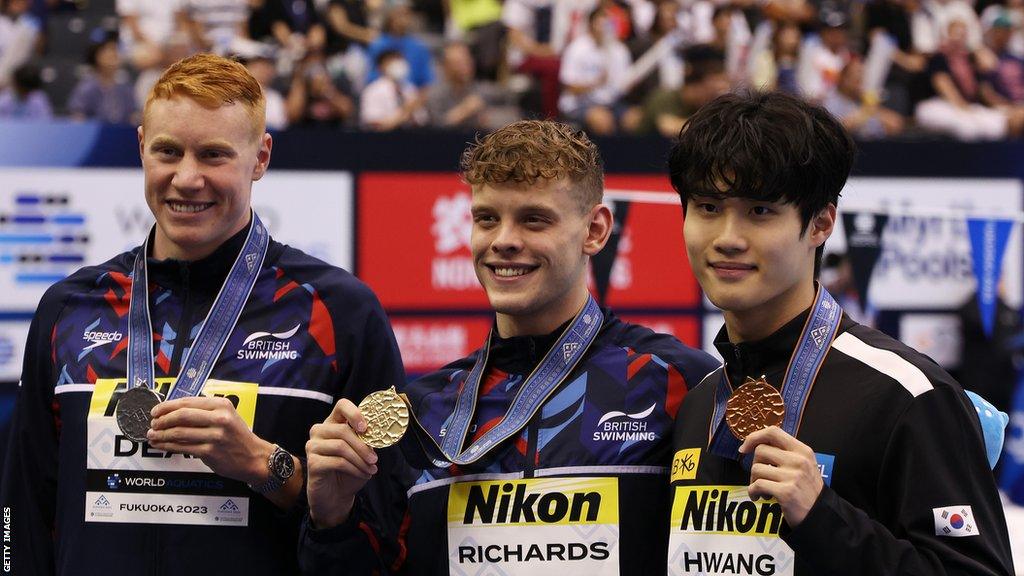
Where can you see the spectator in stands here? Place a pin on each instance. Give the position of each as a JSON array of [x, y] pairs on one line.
[[990, 364], [537, 32], [348, 34], [799, 12], [478, 24], [620, 20], [956, 107], [391, 101], [317, 100], [1004, 86], [695, 21], [397, 35], [147, 26], [666, 111], [105, 94], [823, 57], [643, 14], [904, 85], [1013, 12], [656, 56], [349, 19], [218, 26], [24, 98], [775, 68], [430, 13], [862, 115], [262, 69], [19, 31], [595, 75], [932, 19], [732, 38], [291, 24], [178, 46], [458, 100]]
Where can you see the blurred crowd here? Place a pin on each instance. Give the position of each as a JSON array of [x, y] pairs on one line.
[[885, 67]]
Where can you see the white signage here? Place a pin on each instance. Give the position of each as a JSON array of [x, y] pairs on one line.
[[54, 221], [926, 255]]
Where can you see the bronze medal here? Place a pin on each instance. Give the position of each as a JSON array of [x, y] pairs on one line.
[[387, 418], [754, 406]]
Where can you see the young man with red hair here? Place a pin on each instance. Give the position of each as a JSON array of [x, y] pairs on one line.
[[167, 394]]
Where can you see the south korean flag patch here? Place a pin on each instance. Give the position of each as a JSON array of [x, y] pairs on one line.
[[955, 521]]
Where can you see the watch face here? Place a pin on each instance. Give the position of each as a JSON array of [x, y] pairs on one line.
[[282, 465]]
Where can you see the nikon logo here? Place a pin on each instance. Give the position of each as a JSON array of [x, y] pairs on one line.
[[710, 510], [509, 503]]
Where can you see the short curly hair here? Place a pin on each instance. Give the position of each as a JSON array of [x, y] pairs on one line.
[[525, 152]]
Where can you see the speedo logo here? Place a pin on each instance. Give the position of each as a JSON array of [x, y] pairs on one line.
[[727, 509], [100, 338], [510, 503], [618, 426], [269, 346]]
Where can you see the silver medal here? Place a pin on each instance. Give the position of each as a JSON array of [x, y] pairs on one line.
[[133, 412]]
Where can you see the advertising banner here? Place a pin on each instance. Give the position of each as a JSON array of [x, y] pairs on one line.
[[54, 221], [413, 245]]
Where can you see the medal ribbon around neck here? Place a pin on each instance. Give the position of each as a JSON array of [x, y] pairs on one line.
[[557, 364], [815, 341], [217, 326]]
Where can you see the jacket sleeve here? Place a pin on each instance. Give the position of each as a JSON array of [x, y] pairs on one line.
[[934, 463], [370, 541], [28, 490]]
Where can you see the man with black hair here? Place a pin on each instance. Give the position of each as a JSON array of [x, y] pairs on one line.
[[821, 446]]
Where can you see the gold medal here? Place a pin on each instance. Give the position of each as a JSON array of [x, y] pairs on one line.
[[754, 406], [387, 418]]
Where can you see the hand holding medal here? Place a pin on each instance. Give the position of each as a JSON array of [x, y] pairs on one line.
[[781, 467], [762, 422], [340, 452]]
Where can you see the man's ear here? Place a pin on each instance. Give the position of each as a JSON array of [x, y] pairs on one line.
[[599, 229], [262, 157], [821, 225]]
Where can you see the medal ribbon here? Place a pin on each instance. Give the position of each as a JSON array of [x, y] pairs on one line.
[[812, 347], [217, 326], [557, 364]]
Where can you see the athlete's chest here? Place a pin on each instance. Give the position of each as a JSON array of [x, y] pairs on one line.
[[275, 339], [598, 415]]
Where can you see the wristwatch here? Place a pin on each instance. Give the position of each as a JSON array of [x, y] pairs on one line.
[[281, 466]]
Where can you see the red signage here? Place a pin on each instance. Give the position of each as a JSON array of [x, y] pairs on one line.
[[413, 241], [429, 343], [650, 268], [413, 244]]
